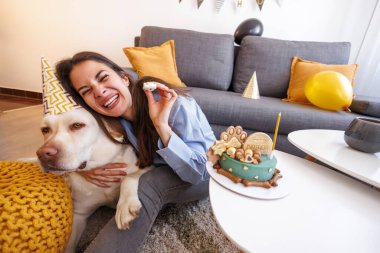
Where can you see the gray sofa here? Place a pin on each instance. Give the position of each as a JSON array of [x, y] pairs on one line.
[[217, 72]]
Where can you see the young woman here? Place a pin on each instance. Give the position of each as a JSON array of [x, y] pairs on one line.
[[167, 128]]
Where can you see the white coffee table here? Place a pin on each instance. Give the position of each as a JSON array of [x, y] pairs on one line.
[[329, 147], [325, 211]]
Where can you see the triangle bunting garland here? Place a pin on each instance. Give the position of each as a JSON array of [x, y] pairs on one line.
[[238, 3], [200, 2], [260, 3], [219, 4], [279, 2]]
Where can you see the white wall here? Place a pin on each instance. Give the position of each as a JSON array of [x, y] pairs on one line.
[[368, 78], [58, 29]]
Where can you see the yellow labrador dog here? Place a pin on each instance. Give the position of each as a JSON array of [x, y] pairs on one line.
[[73, 141]]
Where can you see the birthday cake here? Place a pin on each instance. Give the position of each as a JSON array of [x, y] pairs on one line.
[[245, 159]]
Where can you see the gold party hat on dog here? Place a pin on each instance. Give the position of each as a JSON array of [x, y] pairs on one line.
[[56, 99]]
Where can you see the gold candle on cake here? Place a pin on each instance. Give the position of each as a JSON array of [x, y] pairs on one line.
[[276, 130]]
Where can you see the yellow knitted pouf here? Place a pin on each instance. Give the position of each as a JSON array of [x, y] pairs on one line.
[[35, 209]]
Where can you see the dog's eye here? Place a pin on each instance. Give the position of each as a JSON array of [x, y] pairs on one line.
[[76, 126], [45, 130]]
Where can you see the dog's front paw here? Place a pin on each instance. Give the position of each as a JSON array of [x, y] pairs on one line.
[[126, 212]]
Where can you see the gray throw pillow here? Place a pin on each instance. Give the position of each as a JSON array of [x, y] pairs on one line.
[[203, 60], [271, 59]]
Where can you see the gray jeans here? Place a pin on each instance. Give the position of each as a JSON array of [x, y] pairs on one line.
[[157, 188]]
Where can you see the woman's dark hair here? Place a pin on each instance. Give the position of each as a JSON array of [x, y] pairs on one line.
[[146, 134]]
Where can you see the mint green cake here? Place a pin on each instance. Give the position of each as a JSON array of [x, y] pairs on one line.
[[263, 171]]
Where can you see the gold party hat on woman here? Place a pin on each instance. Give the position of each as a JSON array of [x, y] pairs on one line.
[[56, 99]]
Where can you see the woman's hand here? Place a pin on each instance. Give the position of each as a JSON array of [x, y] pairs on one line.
[[159, 111], [108, 173]]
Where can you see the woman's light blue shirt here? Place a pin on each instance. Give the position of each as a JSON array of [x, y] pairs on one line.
[[192, 137]]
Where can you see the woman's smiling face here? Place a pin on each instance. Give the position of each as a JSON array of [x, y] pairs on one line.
[[102, 89]]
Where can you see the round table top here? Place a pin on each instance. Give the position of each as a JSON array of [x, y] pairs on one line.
[[329, 147], [325, 211]]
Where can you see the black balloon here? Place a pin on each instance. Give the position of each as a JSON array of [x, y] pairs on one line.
[[251, 26]]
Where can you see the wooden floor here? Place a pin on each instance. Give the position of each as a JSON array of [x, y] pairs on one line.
[[8, 102], [20, 132]]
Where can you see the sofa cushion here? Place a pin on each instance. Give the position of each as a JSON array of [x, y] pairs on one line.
[[203, 59], [229, 108], [271, 59], [158, 61], [301, 70]]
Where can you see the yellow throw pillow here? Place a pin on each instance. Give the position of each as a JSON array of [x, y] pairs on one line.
[[301, 70], [156, 61]]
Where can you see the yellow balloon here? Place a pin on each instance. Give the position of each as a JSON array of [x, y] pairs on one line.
[[329, 90]]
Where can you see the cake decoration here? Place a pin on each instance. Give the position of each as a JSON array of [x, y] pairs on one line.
[[234, 142], [232, 132], [219, 147], [276, 130], [239, 154], [245, 159], [259, 141], [231, 151]]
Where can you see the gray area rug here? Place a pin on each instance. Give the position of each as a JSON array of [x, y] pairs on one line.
[[181, 228]]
